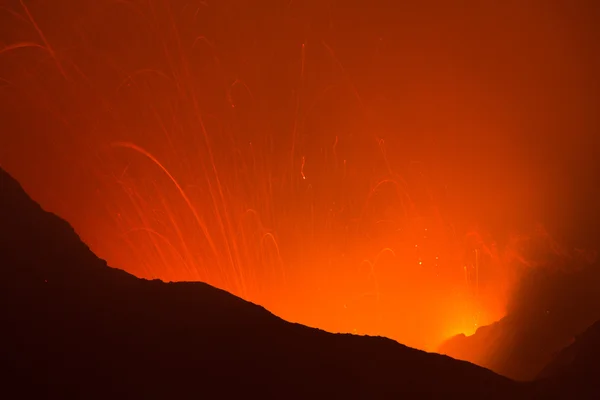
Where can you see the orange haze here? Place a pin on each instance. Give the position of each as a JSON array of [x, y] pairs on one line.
[[354, 168]]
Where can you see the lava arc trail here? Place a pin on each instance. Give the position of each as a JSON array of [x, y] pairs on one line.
[[270, 156]]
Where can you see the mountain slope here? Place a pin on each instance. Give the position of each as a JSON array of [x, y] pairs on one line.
[[549, 309], [575, 369], [75, 328]]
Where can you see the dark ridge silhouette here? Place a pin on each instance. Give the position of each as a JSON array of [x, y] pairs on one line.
[[549, 308], [575, 368], [72, 327], [577, 359]]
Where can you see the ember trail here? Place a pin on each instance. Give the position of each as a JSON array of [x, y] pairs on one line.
[[186, 144]]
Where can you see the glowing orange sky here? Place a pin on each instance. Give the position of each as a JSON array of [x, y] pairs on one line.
[[276, 121]]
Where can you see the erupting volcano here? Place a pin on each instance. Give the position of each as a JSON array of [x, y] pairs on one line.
[[381, 169]]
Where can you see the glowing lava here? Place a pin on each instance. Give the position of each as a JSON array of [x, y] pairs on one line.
[[180, 157]]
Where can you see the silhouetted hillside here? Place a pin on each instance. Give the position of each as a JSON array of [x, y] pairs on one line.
[[549, 308], [72, 327], [575, 369], [578, 358]]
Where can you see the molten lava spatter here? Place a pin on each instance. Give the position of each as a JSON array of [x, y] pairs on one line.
[[186, 143]]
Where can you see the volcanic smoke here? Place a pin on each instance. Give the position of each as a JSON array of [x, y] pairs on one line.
[[268, 153]]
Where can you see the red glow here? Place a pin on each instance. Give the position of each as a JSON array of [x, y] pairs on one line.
[[176, 156]]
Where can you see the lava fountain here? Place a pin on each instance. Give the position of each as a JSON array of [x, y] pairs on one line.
[[181, 148]]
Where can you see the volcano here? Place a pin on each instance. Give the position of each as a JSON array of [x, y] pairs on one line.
[[572, 366], [550, 308], [76, 328]]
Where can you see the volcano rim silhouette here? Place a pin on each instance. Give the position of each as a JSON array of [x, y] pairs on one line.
[[549, 309], [76, 327]]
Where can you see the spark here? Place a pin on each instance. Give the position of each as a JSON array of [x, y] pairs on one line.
[[219, 197], [179, 188], [47, 45], [302, 168], [22, 45]]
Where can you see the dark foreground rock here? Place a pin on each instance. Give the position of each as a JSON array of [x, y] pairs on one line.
[[576, 368], [72, 327], [550, 309], [578, 359]]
